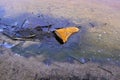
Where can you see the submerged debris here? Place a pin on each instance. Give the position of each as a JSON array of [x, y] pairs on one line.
[[38, 33], [26, 33]]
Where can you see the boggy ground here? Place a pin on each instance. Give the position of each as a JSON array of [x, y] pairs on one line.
[[99, 38]]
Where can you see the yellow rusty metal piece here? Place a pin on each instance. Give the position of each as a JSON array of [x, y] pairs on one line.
[[65, 33]]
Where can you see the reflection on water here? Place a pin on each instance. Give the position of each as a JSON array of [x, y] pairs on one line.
[[97, 41]]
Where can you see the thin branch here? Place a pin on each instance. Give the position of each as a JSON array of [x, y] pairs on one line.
[[105, 70], [23, 23], [76, 59]]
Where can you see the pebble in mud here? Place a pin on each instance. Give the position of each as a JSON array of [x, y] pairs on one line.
[[100, 50], [17, 54], [104, 32], [99, 36], [108, 59], [83, 60]]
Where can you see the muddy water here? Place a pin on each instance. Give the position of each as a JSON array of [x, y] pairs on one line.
[[97, 41]]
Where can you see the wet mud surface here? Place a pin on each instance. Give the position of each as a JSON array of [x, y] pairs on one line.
[[98, 40]]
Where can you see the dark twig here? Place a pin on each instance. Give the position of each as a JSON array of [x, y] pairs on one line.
[[49, 25], [76, 59], [105, 70], [23, 23], [92, 24]]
